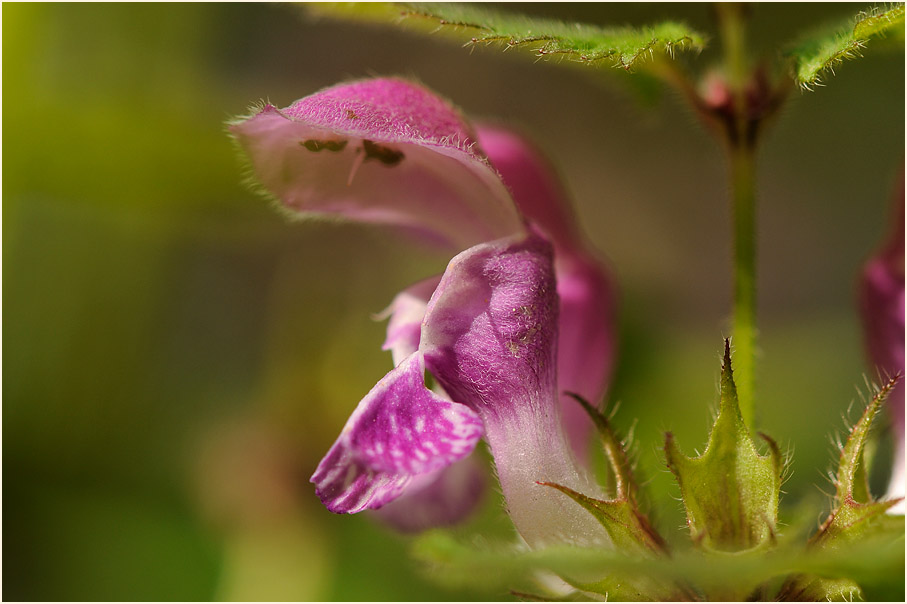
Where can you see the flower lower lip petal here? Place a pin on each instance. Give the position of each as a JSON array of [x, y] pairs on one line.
[[446, 497], [399, 431]]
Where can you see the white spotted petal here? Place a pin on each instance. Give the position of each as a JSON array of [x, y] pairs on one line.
[[400, 431]]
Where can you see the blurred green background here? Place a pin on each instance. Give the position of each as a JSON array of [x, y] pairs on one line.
[[179, 357]]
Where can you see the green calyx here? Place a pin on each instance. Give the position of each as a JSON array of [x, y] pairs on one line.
[[854, 516], [855, 512], [730, 492], [731, 495], [629, 529]]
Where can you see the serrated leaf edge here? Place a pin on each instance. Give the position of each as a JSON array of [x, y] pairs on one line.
[[852, 48], [621, 59]]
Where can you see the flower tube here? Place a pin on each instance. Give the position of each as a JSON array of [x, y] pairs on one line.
[[490, 337], [586, 338]]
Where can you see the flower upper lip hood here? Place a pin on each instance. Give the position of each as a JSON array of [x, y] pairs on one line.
[[384, 151], [389, 151]]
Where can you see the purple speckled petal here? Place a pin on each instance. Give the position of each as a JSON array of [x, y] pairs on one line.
[[399, 431], [384, 151], [448, 495], [441, 498], [489, 338], [882, 305], [587, 336], [406, 313]]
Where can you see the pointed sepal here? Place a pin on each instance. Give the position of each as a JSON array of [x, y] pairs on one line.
[[625, 487], [730, 492], [855, 510], [853, 503], [629, 529], [855, 514], [632, 535]]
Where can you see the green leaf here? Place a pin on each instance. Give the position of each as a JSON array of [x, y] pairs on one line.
[[819, 53], [546, 38], [618, 46], [731, 491], [807, 588], [877, 562]]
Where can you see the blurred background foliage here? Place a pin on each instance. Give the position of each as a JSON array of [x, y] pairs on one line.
[[178, 357]]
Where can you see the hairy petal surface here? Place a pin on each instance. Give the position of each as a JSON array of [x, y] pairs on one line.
[[587, 336], [882, 306], [381, 150], [399, 431], [489, 338]]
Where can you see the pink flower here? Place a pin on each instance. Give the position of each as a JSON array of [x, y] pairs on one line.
[[508, 316]]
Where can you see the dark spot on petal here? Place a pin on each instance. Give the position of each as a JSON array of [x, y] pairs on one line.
[[351, 115], [386, 155], [316, 145]]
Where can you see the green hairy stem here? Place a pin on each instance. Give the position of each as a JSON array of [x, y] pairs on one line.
[[741, 150]]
